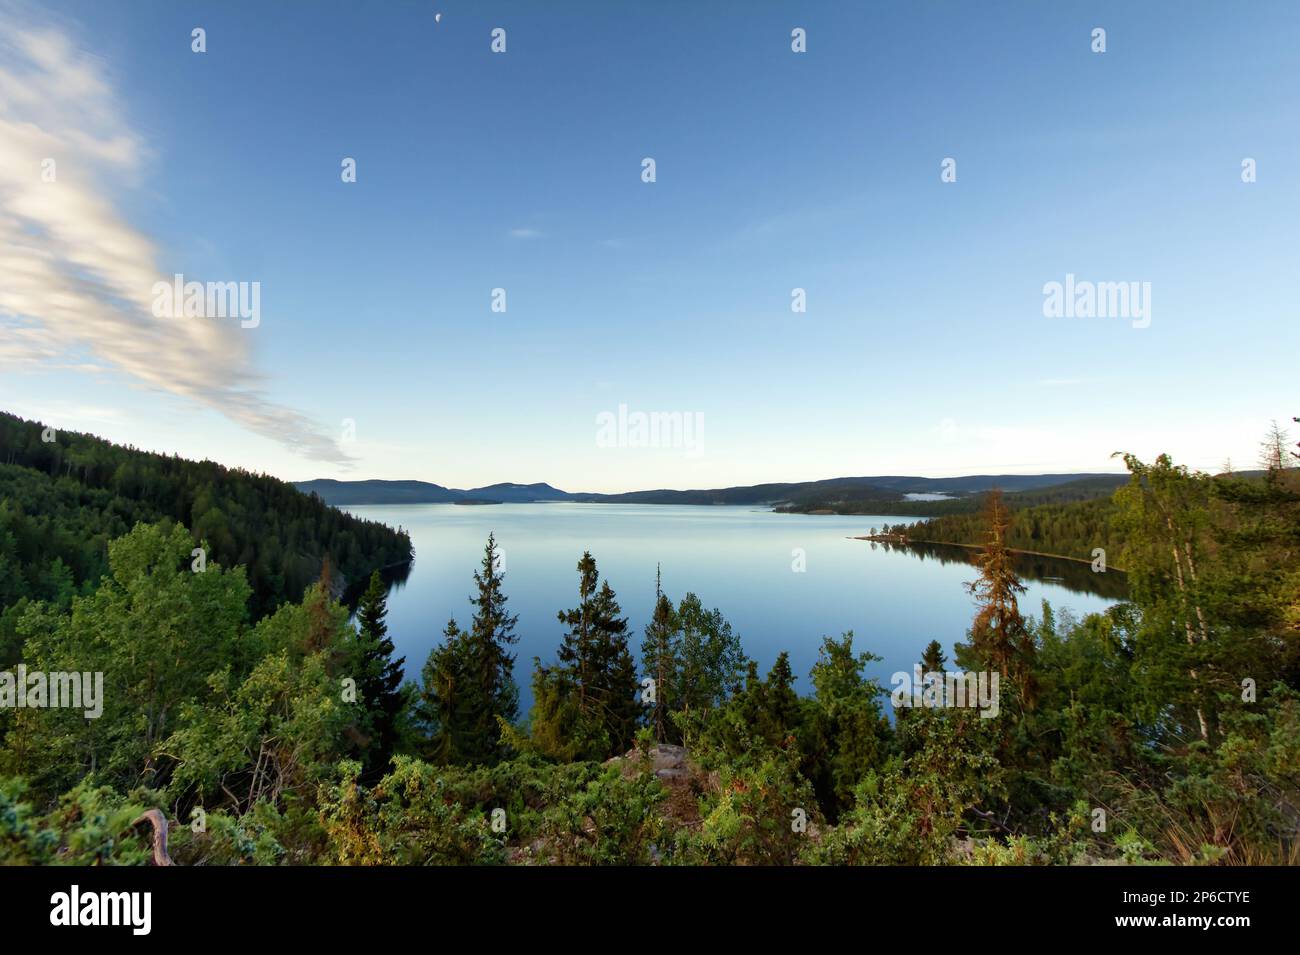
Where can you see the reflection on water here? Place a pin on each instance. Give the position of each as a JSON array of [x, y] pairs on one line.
[[1073, 575], [394, 577], [783, 580]]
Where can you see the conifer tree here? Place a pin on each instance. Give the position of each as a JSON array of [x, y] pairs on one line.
[[660, 655], [468, 684], [933, 659], [999, 637], [555, 729], [845, 733], [1274, 453], [694, 658], [596, 668], [763, 713], [379, 683], [442, 697], [781, 701], [750, 702], [492, 694], [319, 600]]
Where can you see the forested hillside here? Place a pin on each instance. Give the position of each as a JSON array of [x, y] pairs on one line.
[[871, 501], [851, 495], [1067, 530], [884, 494], [1071, 520], [1166, 729], [63, 499]]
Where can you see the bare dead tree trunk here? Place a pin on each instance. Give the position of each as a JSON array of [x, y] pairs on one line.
[[158, 821], [1191, 634], [1191, 572]]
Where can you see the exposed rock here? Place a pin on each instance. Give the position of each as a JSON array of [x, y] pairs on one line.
[[666, 761], [684, 782]]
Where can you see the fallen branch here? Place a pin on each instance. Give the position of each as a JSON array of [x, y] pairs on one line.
[[992, 820], [158, 821]]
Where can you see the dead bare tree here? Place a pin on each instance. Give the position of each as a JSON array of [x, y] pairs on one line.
[[158, 822]]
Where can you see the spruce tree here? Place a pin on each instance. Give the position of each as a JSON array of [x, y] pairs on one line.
[[751, 701], [468, 683], [576, 649], [764, 712], [1274, 450], [999, 637], [597, 668], [492, 694], [933, 660], [441, 707], [620, 687], [660, 655], [380, 674], [781, 703], [555, 730], [319, 600], [694, 658]]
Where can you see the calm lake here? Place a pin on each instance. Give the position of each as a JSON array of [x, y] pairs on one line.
[[738, 559]]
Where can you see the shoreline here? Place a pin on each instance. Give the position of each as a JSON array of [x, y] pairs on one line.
[[895, 539]]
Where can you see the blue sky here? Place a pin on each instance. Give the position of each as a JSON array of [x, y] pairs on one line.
[[924, 348]]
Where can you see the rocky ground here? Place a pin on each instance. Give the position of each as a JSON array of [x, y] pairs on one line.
[[683, 782]]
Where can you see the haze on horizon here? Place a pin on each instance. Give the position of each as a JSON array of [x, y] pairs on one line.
[[923, 350]]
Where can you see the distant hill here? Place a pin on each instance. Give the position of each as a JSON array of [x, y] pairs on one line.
[[346, 493], [343, 493], [877, 495], [963, 497], [520, 493]]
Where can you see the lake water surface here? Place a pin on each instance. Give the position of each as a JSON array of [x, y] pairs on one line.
[[738, 559]]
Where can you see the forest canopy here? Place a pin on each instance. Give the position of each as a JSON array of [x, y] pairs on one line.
[[1164, 730], [64, 496]]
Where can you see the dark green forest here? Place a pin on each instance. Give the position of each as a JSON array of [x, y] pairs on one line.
[[880, 501], [1069, 520], [1071, 530], [64, 496], [1166, 730]]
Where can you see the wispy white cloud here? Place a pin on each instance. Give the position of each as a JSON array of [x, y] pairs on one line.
[[527, 234], [797, 221], [76, 278]]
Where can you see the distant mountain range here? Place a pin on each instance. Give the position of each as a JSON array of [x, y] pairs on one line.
[[423, 492], [860, 494]]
